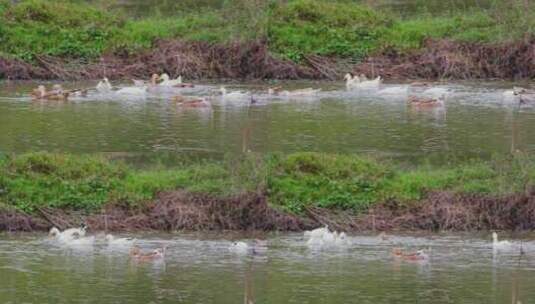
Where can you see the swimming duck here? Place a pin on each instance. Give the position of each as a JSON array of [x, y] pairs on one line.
[[322, 237], [362, 82], [104, 86], [498, 245], [71, 235], [423, 102], [239, 247], [525, 96], [351, 81], [191, 102], [140, 256], [419, 255], [57, 93], [167, 82], [119, 242], [39, 92]]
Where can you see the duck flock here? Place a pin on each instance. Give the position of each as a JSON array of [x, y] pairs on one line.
[[416, 94], [318, 239]]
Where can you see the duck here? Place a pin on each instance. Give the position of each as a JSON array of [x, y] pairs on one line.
[[239, 247], [300, 93], [57, 93], [426, 102], [351, 81], [322, 237], [499, 245], [191, 102], [168, 82], [104, 86], [72, 236], [419, 255], [152, 82], [69, 233], [317, 233], [362, 82], [140, 256], [177, 83], [39, 92], [236, 95], [525, 96]]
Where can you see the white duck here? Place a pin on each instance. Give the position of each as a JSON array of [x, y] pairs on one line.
[[351, 81], [167, 82], [356, 82], [499, 245], [104, 86], [239, 247]]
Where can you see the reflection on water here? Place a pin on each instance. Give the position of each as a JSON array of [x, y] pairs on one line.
[[477, 120], [200, 268]]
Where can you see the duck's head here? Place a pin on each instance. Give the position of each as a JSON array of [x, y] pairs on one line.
[[164, 77], [518, 90], [83, 227], [54, 232], [106, 80], [223, 90], [348, 77]]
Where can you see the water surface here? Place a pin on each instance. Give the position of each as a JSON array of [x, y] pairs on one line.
[[200, 268], [476, 121]]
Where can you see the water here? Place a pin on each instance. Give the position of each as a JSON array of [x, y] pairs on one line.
[[477, 121], [199, 268]]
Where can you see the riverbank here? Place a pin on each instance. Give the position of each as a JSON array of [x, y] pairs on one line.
[[278, 40], [274, 192]]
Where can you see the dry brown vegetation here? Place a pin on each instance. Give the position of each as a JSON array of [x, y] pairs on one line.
[[445, 59], [440, 211]]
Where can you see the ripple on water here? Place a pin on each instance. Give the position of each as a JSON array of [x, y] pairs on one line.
[[199, 266]]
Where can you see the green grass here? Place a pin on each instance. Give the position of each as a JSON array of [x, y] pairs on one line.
[[293, 29], [292, 182]]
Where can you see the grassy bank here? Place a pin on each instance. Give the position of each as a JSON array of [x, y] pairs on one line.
[[291, 182], [292, 29]]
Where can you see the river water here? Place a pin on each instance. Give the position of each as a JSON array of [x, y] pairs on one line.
[[200, 268], [476, 121]]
